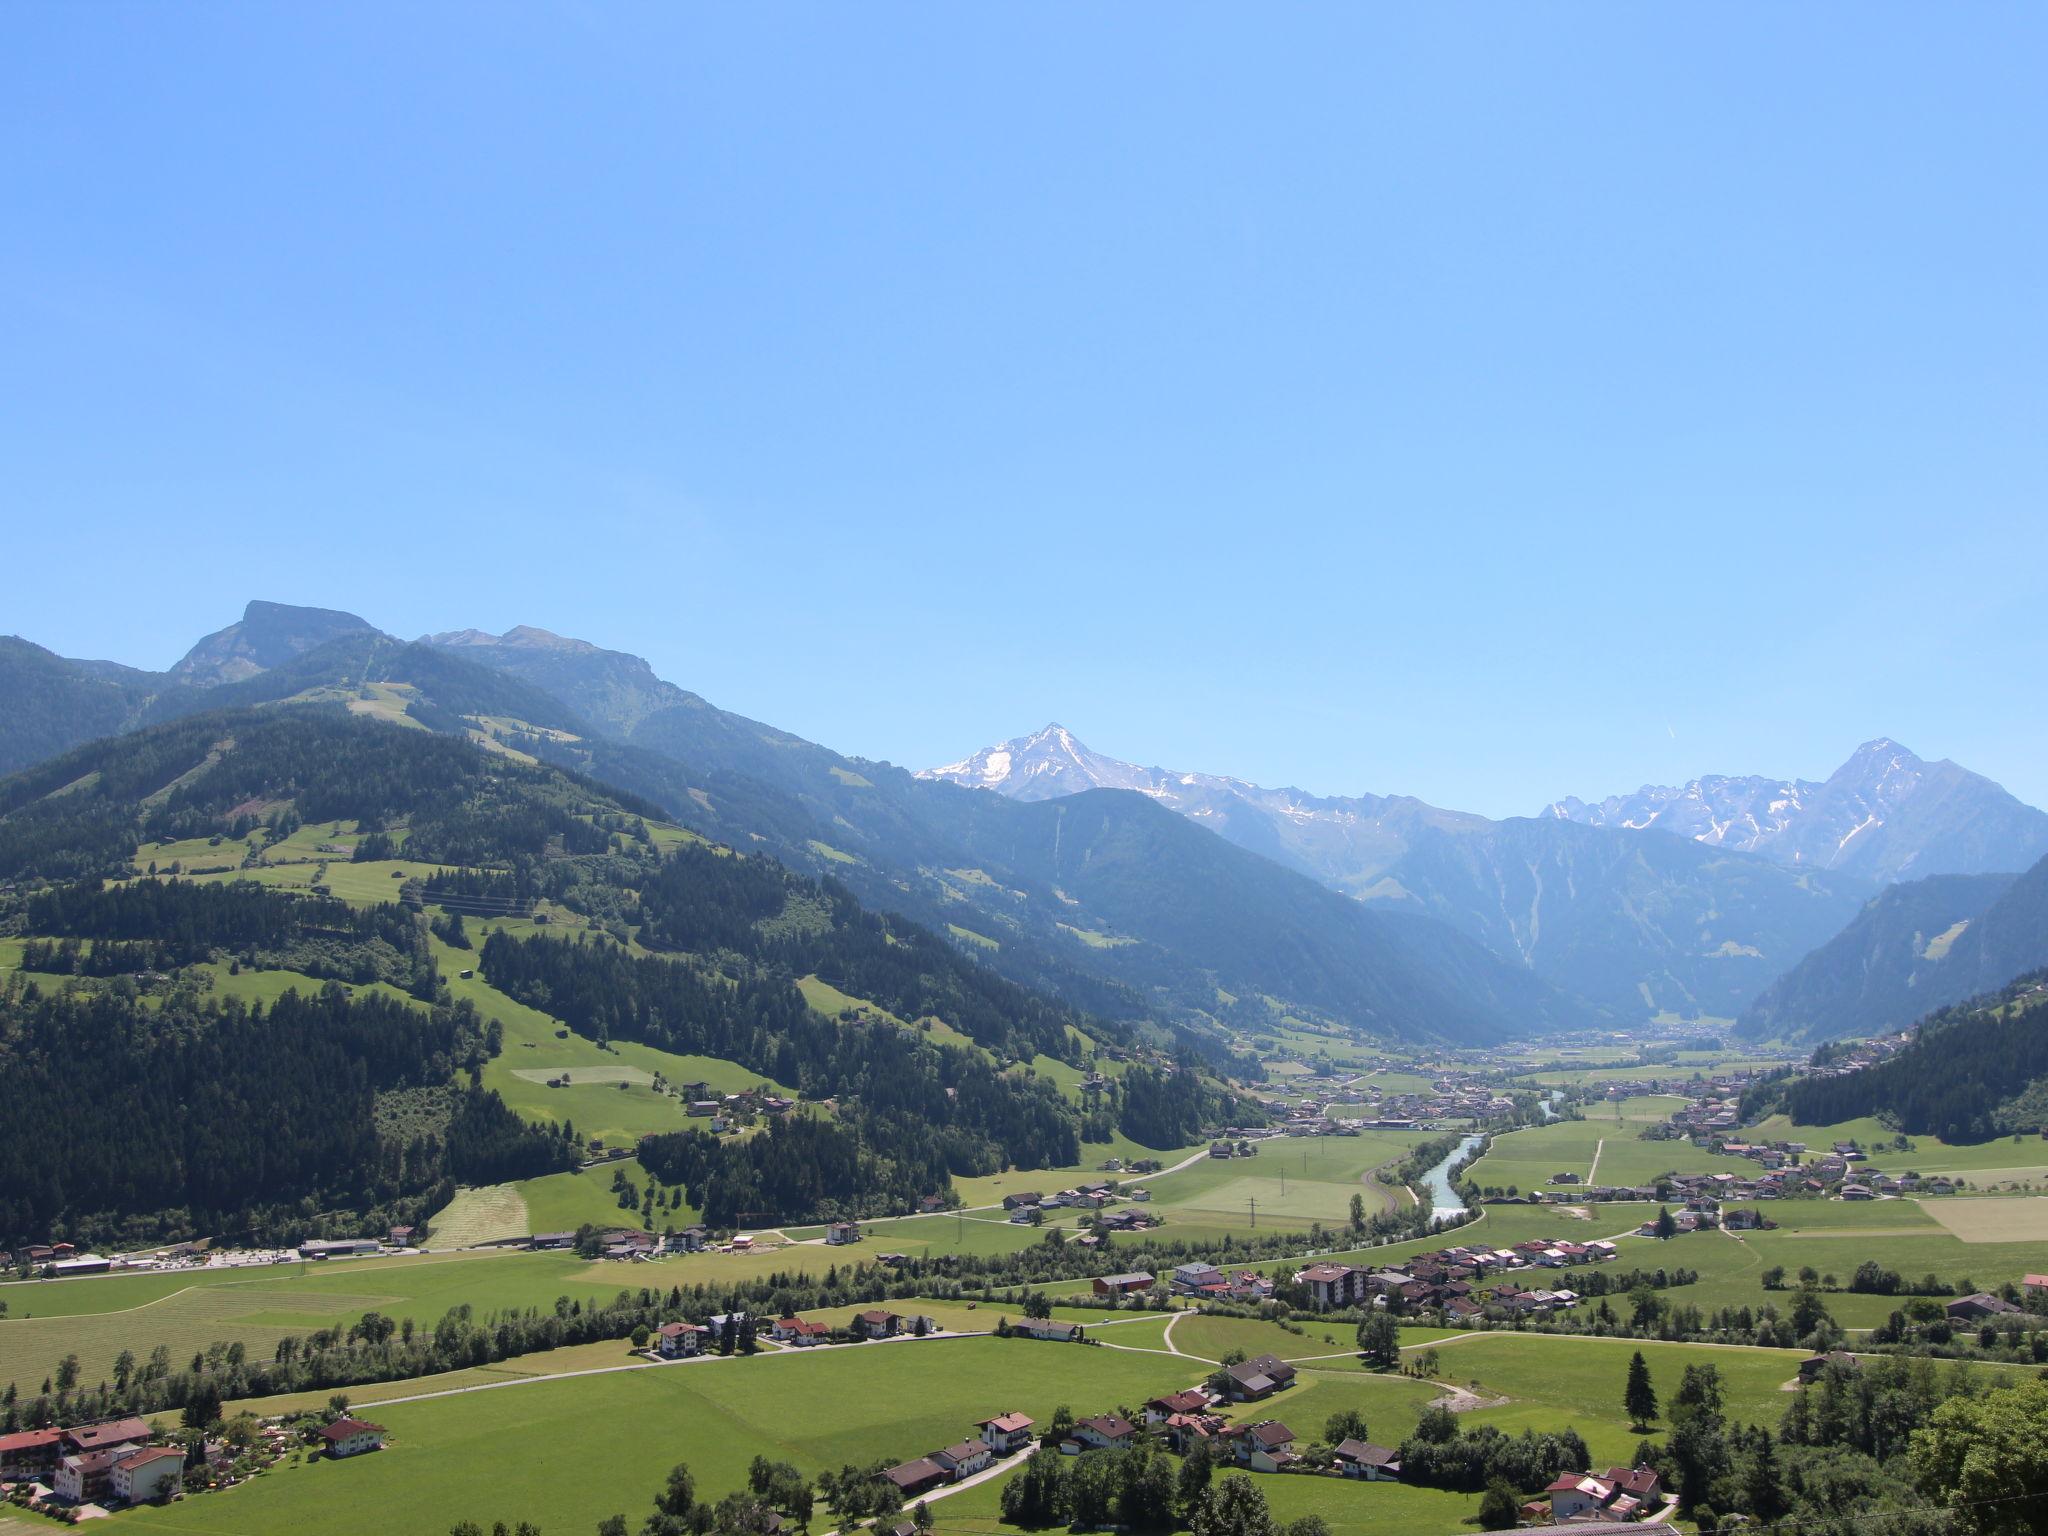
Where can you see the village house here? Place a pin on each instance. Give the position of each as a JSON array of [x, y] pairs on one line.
[[876, 1325], [1814, 1366], [1194, 1278], [1105, 1432], [1332, 1285], [679, 1341], [1047, 1328], [799, 1332], [1372, 1463], [1123, 1285], [964, 1459], [1006, 1432], [915, 1476], [352, 1437], [840, 1233], [1622, 1494], [1259, 1377], [1267, 1446], [153, 1472], [1972, 1309], [1160, 1409]]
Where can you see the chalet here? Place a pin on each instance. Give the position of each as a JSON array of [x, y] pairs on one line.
[[799, 1332], [840, 1233], [153, 1472], [1248, 1285], [1006, 1432], [30, 1453], [1046, 1328], [1160, 1409], [400, 1237], [702, 1108], [2034, 1285], [876, 1325], [1971, 1309], [964, 1459], [1123, 1285], [1857, 1192], [1259, 1377], [914, 1477], [1267, 1446], [352, 1437], [1622, 1494], [1105, 1432], [1373, 1463], [105, 1436], [679, 1341], [1024, 1200]]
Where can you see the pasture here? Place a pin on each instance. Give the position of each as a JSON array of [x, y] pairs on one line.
[[560, 1451]]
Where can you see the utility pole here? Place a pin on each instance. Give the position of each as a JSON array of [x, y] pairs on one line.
[[1254, 1203]]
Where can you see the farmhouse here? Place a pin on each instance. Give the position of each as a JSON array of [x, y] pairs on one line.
[[1047, 1328], [1266, 1446], [1105, 1431], [1373, 1463], [841, 1233], [1006, 1432], [1622, 1494], [877, 1324], [1970, 1309], [1259, 1377], [678, 1341], [797, 1331], [1123, 1285], [914, 1477], [352, 1437], [964, 1459]]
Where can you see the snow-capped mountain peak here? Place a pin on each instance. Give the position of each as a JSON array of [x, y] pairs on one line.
[[1886, 812], [1044, 765]]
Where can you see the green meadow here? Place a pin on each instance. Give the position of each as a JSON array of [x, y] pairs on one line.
[[566, 1451]]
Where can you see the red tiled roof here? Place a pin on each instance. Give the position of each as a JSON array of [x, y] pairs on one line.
[[342, 1429]]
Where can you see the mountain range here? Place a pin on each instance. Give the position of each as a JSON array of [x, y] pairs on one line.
[[1118, 906], [1885, 814], [1198, 901], [1637, 925]]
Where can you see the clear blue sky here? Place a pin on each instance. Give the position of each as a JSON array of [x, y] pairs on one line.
[[1486, 403]]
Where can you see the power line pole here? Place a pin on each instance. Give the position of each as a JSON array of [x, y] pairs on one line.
[[1254, 1203]]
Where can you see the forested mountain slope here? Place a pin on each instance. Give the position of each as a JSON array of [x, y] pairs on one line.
[[121, 1036], [1113, 945], [1887, 968], [1921, 946], [1974, 1071]]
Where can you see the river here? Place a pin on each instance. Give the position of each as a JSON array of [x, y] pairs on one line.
[[1444, 1200]]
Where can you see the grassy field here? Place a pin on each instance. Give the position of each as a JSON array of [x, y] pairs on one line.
[[2009, 1157], [1603, 1148], [480, 1216], [1553, 1381], [566, 1452], [96, 1318]]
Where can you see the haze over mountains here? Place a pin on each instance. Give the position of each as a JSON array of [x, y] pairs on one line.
[[1101, 881]]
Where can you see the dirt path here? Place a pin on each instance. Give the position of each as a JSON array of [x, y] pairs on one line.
[[1598, 1147]]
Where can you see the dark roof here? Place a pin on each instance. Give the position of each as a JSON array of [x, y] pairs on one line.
[[1272, 1432], [1368, 1453]]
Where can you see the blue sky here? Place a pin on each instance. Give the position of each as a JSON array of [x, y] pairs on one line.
[[1485, 403]]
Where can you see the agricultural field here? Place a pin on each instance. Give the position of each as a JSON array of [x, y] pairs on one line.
[[96, 1318], [1288, 1184], [536, 1452], [1555, 1381], [1603, 1148], [479, 1216], [1987, 1163]]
